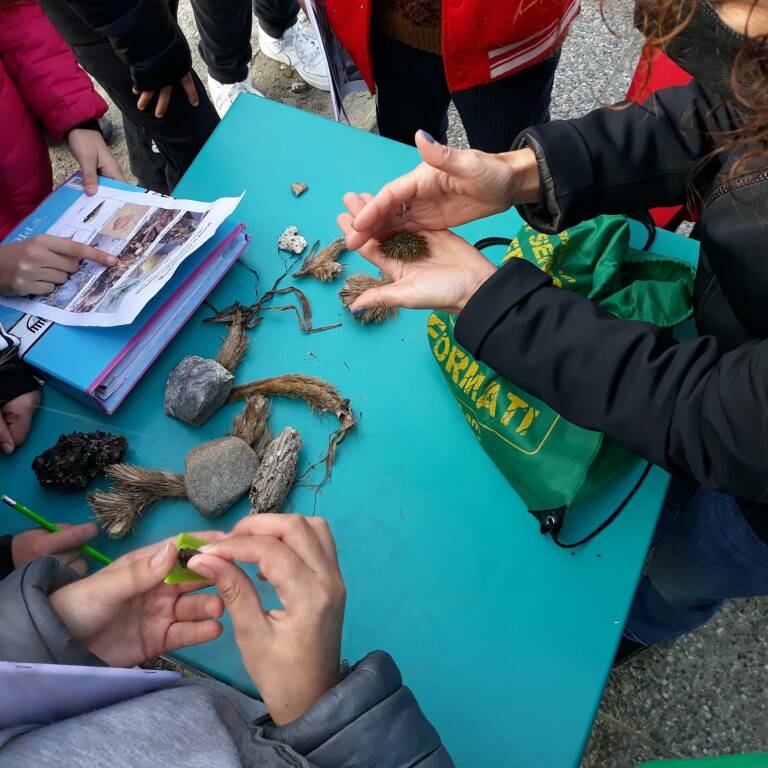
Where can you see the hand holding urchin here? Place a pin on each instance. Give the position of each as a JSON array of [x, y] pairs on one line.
[[405, 246]]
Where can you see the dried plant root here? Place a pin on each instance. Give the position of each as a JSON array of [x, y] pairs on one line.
[[304, 315], [324, 266], [405, 246], [251, 425], [355, 286], [235, 343], [319, 396], [135, 490], [277, 472]]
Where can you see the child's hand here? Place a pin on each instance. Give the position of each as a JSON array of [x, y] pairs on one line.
[[292, 655], [164, 96], [93, 156], [62, 544], [37, 265], [15, 419], [125, 614]]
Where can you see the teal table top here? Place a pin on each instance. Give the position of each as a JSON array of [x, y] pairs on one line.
[[505, 639]]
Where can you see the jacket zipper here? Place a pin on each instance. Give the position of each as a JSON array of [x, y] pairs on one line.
[[729, 186], [708, 291]]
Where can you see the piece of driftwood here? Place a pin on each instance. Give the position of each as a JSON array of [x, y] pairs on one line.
[[355, 286], [277, 472]]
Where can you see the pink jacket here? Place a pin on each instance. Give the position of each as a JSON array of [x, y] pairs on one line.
[[41, 86]]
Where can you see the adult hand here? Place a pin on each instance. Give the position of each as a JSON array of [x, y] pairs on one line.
[[450, 187], [62, 544], [446, 279], [125, 614], [37, 265], [15, 419], [164, 96], [292, 655], [93, 156]]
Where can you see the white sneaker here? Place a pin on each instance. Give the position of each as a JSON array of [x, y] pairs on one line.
[[300, 49], [223, 95], [306, 24]]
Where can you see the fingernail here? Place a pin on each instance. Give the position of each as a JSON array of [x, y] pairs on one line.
[[195, 103], [205, 548], [358, 312], [111, 260], [428, 136], [201, 570], [7, 447], [160, 556]]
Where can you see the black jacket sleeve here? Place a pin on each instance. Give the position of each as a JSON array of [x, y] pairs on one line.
[[370, 715], [144, 34], [16, 379], [684, 406], [626, 158]]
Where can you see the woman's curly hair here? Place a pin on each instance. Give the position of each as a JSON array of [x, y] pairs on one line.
[[660, 21]]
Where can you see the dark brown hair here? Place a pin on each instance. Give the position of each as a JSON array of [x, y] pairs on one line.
[[662, 20]]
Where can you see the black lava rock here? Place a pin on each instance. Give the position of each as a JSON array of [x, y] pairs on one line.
[[77, 458]]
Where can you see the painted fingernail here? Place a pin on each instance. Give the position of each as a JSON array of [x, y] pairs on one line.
[[160, 556], [428, 136], [358, 312], [7, 447]]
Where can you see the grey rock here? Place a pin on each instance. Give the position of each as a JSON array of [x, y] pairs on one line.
[[292, 241], [299, 188], [196, 388], [299, 87], [219, 473]]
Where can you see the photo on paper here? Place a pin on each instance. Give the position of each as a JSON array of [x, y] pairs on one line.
[[107, 244], [146, 235], [63, 295], [124, 220], [172, 240]]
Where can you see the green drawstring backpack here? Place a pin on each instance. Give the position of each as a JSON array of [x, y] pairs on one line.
[[550, 462]]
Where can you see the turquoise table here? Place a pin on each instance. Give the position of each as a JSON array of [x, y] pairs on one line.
[[505, 639]]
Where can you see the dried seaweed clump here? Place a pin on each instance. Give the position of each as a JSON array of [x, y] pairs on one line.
[[324, 266], [77, 458], [355, 286], [235, 344], [405, 246], [319, 395]]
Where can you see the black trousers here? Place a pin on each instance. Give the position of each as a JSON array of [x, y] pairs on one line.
[[412, 93], [178, 136], [225, 32]]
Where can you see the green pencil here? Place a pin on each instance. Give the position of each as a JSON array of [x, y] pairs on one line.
[[86, 549]]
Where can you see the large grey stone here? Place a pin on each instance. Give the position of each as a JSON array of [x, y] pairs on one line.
[[196, 388], [219, 473]]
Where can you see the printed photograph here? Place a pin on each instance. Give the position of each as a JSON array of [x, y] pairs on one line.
[[63, 295], [124, 220]]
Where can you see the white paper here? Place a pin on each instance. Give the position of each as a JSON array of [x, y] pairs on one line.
[[151, 235], [344, 76]]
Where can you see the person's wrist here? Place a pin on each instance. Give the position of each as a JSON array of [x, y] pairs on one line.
[[524, 172], [480, 275], [284, 710]]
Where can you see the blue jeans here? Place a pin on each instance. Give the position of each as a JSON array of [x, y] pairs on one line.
[[703, 552]]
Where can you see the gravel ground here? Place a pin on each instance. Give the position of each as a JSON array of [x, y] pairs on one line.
[[703, 694]]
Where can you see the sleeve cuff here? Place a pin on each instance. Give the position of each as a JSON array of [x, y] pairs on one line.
[[565, 169], [165, 68], [511, 284], [6, 555], [31, 631], [16, 379]]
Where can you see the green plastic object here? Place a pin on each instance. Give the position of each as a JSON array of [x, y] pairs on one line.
[[179, 574]]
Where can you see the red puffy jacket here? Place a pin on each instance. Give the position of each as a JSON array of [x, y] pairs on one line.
[[482, 41], [41, 84]]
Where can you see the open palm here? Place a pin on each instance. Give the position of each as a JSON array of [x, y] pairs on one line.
[[446, 279], [125, 613]]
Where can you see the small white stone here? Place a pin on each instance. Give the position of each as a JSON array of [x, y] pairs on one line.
[[299, 188], [292, 241]]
